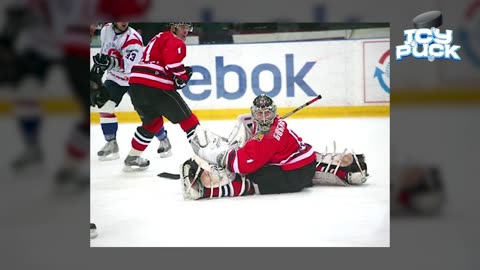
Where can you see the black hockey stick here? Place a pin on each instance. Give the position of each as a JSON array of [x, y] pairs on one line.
[[167, 175], [177, 176]]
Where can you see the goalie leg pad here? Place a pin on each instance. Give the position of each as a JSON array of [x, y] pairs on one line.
[[202, 180], [335, 173], [208, 145]]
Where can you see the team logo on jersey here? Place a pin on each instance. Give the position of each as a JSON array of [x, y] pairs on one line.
[[258, 136]]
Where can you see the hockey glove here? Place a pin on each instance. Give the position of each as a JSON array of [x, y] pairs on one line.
[[99, 97], [189, 72], [105, 62], [179, 82], [98, 93]]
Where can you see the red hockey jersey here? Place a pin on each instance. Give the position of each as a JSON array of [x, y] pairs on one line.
[[162, 59], [280, 147]]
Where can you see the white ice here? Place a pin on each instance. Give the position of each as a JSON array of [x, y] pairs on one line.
[[142, 210]]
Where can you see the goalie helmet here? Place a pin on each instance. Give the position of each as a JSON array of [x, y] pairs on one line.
[[263, 112]]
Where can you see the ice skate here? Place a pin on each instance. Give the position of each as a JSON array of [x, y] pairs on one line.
[[135, 163], [93, 230], [164, 149], [69, 179], [30, 157], [109, 151]]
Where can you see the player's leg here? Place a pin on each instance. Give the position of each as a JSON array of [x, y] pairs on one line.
[[27, 107], [109, 121], [202, 180], [76, 167], [340, 169], [146, 101], [175, 109], [274, 180], [164, 146]]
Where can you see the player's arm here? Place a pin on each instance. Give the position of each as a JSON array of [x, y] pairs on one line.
[[103, 61], [174, 55]]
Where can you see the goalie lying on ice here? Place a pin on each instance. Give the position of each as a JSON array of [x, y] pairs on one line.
[[263, 156]]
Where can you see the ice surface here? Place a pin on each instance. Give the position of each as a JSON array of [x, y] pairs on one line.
[[140, 209]]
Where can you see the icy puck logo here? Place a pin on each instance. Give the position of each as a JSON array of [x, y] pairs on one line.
[[426, 41]]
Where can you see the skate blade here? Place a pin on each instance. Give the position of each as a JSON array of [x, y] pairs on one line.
[[166, 154], [113, 156], [134, 168]]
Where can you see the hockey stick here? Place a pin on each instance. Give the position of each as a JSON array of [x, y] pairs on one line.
[[177, 176], [167, 175], [301, 107]]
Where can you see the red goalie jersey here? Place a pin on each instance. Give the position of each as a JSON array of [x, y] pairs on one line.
[[279, 147]]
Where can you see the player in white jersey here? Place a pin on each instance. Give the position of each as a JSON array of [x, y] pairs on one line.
[[121, 48]]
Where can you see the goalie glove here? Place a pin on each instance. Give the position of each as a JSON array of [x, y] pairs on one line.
[[103, 62]]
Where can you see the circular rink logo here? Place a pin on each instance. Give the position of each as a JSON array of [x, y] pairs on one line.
[[382, 71], [468, 34]]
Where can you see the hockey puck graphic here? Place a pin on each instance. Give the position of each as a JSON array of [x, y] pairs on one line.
[[428, 19]]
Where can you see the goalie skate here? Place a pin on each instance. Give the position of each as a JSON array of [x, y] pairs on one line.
[[192, 188]]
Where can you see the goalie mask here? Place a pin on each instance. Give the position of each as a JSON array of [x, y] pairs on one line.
[[264, 112]]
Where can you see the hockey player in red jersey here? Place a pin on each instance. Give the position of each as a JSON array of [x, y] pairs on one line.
[[153, 89], [276, 158], [264, 156]]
